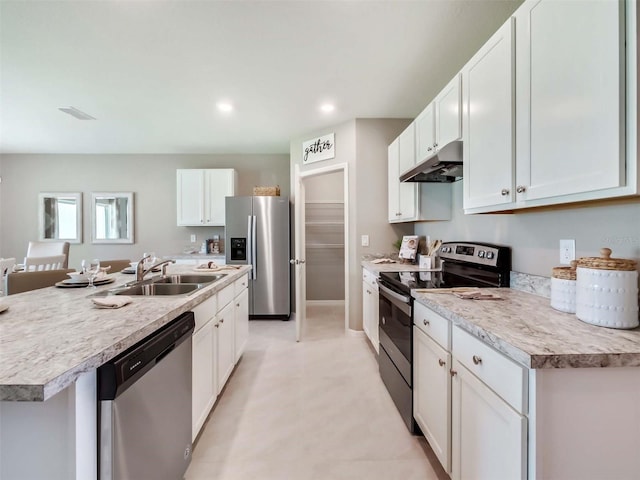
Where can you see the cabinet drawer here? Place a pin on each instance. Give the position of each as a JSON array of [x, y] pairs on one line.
[[437, 327], [240, 284], [225, 296], [369, 277], [205, 312], [502, 375]]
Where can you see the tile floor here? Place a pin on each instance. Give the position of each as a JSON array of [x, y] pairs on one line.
[[310, 410]]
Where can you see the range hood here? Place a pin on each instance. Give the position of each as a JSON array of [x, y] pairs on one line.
[[444, 166]]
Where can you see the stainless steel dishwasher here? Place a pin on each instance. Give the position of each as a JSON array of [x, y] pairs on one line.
[[144, 408]]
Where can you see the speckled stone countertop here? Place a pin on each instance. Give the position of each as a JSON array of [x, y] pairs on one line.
[[525, 328], [391, 267], [48, 337]]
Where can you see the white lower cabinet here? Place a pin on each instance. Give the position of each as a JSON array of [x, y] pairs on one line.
[[469, 400], [488, 437], [241, 313], [219, 339], [432, 394], [370, 307], [226, 344]]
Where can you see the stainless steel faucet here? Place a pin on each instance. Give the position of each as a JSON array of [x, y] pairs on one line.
[[141, 271]]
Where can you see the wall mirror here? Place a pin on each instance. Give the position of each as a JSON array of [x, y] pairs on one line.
[[112, 217], [60, 216]]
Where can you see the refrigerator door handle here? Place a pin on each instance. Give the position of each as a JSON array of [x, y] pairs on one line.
[[253, 247], [250, 244]]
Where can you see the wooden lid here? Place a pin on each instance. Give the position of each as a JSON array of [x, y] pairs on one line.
[[565, 273], [605, 262]]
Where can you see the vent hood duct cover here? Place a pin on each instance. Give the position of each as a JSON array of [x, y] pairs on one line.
[[444, 166]]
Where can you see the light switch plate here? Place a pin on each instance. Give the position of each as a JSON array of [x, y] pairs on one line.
[[364, 240], [193, 238], [567, 251]]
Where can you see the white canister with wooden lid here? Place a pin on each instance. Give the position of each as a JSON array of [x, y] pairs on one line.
[[607, 291], [563, 288]]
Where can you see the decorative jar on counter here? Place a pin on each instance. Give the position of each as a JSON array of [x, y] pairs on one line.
[[607, 291], [563, 288]]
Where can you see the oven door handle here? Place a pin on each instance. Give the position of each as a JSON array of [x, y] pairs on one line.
[[392, 294]]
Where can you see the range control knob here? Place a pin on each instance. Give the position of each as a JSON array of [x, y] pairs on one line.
[[489, 255], [481, 254]]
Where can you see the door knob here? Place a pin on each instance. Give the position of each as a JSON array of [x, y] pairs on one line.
[[293, 261], [302, 261], [441, 362], [520, 188], [504, 192]]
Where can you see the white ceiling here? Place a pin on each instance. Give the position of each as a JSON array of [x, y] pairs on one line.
[[151, 72]]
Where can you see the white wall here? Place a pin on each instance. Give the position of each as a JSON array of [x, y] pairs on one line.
[[152, 178], [534, 234]]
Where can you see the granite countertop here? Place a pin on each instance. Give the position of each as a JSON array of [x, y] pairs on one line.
[[194, 256], [48, 337], [525, 328], [391, 267]]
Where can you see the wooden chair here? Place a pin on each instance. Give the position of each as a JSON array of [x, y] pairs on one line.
[[47, 249], [116, 265], [25, 281], [54, 262]]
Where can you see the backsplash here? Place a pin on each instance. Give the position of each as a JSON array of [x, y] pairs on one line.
[[536, 284]]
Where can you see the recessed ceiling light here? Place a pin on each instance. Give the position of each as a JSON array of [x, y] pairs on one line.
[[327, 107], [225, 106], [74, 112]]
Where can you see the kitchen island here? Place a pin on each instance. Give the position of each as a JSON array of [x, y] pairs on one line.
[[556, 398], [51, 342]]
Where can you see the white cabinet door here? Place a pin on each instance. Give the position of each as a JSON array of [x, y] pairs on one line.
[[488, 122], [241, 312], [219, 183], [432, 394], [425, 132], [488, 437], [366, 308], [201, 195], [407, 148], [226, 344], [190, 192], [374, 308], [203, 372], [448, 114], [570, 97], [392, 180]]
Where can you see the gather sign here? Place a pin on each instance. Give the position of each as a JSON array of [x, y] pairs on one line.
[[320, 148]]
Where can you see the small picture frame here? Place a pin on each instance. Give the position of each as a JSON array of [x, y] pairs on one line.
[[409, 247]]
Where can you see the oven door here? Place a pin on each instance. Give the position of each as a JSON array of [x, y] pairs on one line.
[[395, 328]]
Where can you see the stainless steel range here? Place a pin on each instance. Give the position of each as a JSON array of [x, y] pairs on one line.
[[464, 264]]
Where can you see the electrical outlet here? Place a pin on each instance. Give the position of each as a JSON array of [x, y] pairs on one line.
[[193, 238], [567, 251], [364, 241]]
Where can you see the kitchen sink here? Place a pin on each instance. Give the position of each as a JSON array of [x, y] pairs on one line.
[[187, 278], [155, 289]]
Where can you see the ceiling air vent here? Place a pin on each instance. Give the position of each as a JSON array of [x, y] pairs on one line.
[[74, 112]]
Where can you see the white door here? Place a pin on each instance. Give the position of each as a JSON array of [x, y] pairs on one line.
[[299, 260], [570, 97], [425, 133], [432, 394], [226, 343], [190, 195], [392, 180], [488, 122], [219, 183], [488, 437], [448, 113]]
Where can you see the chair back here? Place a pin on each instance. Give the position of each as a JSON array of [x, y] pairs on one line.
[[25, 281], [47, 249], [116, 265], [53, 262], [6, 266]]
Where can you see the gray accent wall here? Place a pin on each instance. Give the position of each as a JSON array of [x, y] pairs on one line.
[[152, 178], [534, 234]]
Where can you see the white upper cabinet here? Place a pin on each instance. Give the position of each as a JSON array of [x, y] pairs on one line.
[[546, 107], [440, 122], [488, 81], [402, 196], [570, 97], [201, 195]]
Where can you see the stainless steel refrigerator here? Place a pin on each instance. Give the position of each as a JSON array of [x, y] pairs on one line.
[[257, 234]]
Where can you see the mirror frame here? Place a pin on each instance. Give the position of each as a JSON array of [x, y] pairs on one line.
[[41, 226], [130, 223]]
